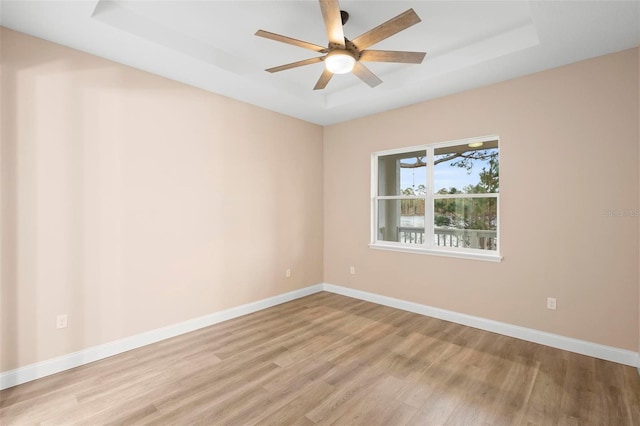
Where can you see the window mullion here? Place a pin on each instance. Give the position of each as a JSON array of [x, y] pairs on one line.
[[428, 201], [374, 199]]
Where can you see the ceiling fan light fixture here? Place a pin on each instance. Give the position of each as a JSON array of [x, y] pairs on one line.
[[339, 62], [342, 56]]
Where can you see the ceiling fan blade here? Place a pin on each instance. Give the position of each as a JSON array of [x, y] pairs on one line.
[[387, 29], [366, 75], [332, 22], [392, 56], [323, 80], [293, 41], [295, 64]]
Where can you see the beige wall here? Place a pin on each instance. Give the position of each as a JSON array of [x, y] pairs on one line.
[[131, 202], [569, 152]]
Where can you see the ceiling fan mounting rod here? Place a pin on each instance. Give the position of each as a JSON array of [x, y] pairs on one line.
[[344, 16]]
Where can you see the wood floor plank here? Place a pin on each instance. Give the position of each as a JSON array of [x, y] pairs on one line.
[[294, 411], [330, 359], [374, 407], [336, 405], [544, 402]]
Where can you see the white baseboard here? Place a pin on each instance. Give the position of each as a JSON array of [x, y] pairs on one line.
[[85, 356], [595, 350]]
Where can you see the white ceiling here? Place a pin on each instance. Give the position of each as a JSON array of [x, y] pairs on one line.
[[211, 44]]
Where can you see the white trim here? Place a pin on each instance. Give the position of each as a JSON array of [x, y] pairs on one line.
[[85, 356], [437, 196], [609, 353], [419, 249], [65, 362]]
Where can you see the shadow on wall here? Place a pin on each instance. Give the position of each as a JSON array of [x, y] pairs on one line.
[[36, 252], [132, 202], [53, 221]]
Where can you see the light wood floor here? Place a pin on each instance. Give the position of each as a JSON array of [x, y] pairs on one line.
[[329, 359]]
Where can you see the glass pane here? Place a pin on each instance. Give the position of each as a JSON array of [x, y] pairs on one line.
[[466, 222], [402, 174], [464, 169], [401, 221]]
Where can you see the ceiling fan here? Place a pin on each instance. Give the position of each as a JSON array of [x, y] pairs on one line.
[[343, 55]]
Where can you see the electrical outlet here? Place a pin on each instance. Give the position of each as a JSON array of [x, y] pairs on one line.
[[287, 273], [352, 270], [61, 321], [551, 303]]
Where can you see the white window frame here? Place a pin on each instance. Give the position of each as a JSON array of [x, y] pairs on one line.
[[428, 246]]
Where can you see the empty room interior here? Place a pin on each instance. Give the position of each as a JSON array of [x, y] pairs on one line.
[[320, 212]]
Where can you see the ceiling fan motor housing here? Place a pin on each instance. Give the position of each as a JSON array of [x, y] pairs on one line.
[[348, 46]]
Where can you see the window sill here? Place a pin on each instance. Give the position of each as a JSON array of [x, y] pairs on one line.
[[446, 253]]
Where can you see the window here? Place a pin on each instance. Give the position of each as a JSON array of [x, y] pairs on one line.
[[439, 199]]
